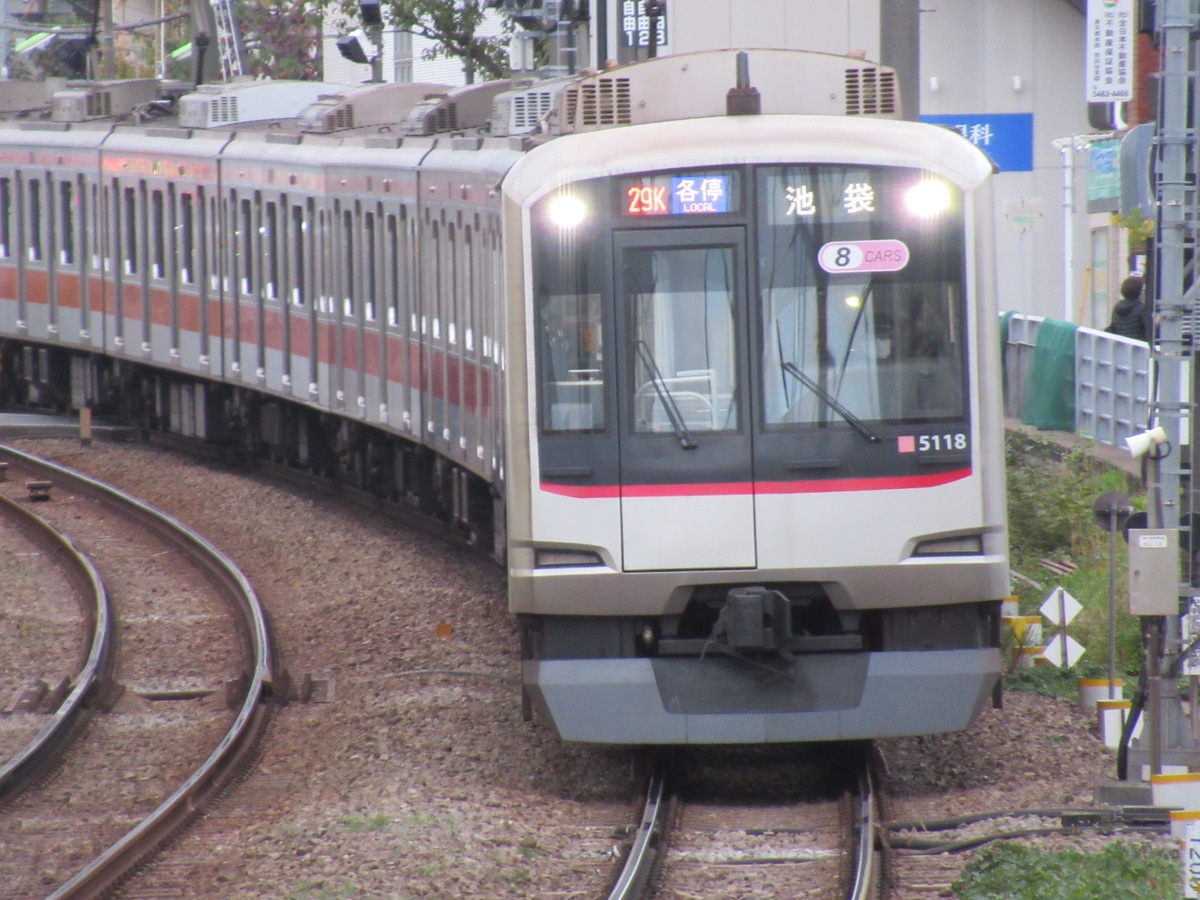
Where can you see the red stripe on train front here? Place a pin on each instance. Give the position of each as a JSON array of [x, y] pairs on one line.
[[834, 485]]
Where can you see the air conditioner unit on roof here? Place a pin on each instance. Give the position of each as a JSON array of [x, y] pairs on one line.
[[84, 100], [214, 105]]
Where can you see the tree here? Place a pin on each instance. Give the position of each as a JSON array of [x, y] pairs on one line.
[[451, 25], [281, 42]]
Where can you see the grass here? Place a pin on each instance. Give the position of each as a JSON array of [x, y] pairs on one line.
[[1119, 872], [360, 824]]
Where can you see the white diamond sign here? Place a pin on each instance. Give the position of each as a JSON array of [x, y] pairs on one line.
[[1060, 607], [1054, 650]]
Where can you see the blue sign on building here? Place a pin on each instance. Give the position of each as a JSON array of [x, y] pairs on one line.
[[1006, 137]]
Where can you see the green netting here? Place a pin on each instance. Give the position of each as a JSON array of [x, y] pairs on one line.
[[1004, 320], [1048, 400]]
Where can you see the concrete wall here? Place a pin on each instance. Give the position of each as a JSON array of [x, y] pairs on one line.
[[975, 49]]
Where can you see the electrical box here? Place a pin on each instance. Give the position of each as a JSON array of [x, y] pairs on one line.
[[1154, 571]]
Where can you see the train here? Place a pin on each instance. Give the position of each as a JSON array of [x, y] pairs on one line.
[[703, 348]]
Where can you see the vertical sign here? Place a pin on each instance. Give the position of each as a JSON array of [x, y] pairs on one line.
[[1190, 852], [1110, 36], [1104, 170]]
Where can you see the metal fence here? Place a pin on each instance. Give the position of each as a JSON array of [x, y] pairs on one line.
[[1112, 379]]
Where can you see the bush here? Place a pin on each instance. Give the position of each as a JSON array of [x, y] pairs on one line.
[[1050, 497]]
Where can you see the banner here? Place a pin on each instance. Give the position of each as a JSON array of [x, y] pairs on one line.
[[1111, 30]]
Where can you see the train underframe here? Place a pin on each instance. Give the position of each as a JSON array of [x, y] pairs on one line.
[[247, 425]]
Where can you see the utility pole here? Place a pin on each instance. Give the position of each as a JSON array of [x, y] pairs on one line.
[[900, 48], [108, 41], [1174, 306]]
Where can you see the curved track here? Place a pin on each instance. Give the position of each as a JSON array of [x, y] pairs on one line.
[[172, 593], [66, 701]]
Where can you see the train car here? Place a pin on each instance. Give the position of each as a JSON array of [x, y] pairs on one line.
[[703, 347]]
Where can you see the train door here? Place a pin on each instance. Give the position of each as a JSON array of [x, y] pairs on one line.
[[687, 499]]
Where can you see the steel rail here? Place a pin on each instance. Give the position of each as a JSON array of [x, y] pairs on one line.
[[97, 610], [643, 853], [866, 870], [237, 747]]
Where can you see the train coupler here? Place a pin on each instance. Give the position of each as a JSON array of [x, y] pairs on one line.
[[754, 618]]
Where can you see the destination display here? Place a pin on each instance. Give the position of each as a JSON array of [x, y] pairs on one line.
[[680, 195]]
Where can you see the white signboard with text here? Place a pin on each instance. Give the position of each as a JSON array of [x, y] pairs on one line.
[[1111, 35]]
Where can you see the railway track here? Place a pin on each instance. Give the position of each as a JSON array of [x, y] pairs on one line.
[[165, 710], [759, 823]]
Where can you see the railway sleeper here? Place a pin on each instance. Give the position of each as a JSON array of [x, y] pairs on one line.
[[27, 698], [38, 490]]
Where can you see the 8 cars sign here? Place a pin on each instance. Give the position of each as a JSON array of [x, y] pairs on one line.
[[863, 256]]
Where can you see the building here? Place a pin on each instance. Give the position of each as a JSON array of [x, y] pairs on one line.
[[1008, 74]]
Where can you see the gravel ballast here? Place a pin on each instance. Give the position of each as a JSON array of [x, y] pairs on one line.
[[413, 775]]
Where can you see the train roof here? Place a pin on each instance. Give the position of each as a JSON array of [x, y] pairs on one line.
[[730, 140], [686, 86]]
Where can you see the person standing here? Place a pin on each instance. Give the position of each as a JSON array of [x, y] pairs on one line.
[[1129, 315]]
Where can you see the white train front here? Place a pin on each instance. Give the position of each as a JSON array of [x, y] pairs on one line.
[[748, 472]]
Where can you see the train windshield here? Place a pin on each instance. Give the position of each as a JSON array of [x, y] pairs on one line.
[[683, 337], [861, 293]]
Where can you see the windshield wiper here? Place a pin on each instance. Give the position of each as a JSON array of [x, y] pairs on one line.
[[832, 402], [665, 397]]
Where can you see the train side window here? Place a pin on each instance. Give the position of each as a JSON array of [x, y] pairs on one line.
[[130, 223], [5, 217], [158, 234], [454, 282], [472, 289], [35, 220], [66, 220], [369, 268], [247, 245], [299, 229], [392, 257], [270, 252], [431, 297], [348, 245], [216, 235], [491, 276], [111, 251], [408, 231], [96, 248], [187, 239], [322, 276]]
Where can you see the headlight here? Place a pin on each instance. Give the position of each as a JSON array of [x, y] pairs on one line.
[[928, 199], [567, 211]]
